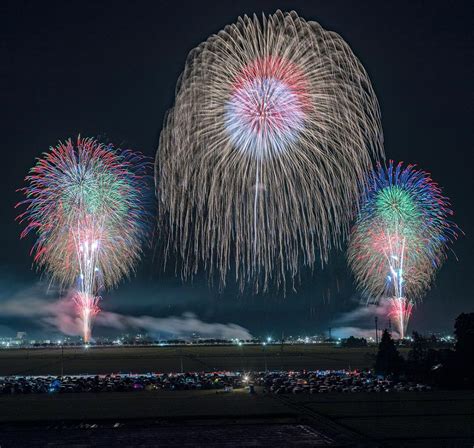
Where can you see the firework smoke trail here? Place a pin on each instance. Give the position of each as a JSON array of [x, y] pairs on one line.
[[86, 202], [400, 238], [263, 157]]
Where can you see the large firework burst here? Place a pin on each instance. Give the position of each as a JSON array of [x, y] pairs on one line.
[[400, 238], [262, 158], [86, 204]]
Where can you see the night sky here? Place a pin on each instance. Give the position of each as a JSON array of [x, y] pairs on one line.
[[109, 69]]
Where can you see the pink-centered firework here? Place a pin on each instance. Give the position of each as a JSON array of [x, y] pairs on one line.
[[263, 157], [86, 205]]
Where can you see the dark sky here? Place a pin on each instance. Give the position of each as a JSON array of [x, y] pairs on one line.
[[110, 69]]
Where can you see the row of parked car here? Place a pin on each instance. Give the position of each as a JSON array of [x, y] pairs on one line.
[[270, 382], [119, 383], [332, 381]]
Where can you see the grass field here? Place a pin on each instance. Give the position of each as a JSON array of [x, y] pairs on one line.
[[405, 419], [97, 360], [426, 419]]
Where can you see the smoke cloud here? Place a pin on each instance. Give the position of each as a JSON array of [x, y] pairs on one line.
[[60, 315], [360, 321]]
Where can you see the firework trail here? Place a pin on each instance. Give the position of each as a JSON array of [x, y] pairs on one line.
[[262, 158], [400, 309], [400, 238], [86, 204]]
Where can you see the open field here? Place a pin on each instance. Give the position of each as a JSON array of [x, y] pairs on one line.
[[192, 418], [165, 419], [97, 360], [228, 420], [404, 419]]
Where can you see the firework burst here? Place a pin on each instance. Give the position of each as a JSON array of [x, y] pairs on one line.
[[400, 238], [85, 203], [262, 158]]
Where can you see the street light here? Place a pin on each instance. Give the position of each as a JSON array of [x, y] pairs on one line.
[[265, 356], [62, 360], [241, 354]]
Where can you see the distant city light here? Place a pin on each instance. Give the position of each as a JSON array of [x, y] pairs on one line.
[[144, 339]]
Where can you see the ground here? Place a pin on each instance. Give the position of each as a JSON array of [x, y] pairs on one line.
[[210, 419], [405, 419], [226, 420], [96, 360]]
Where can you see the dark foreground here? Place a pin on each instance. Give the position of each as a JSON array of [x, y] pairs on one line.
[[311, 413], [237, 419], [178, 435]]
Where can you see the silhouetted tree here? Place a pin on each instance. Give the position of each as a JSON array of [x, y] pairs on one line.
[[353, 342], [388, 360], [422, 358], [419, 349]]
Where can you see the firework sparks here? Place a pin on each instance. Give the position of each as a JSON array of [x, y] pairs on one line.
[[262, 159], [87, 308], [400, 310], [85, 202], [400, 238]]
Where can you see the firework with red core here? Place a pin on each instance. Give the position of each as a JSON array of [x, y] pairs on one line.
[[263, 157], [268, 105]]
